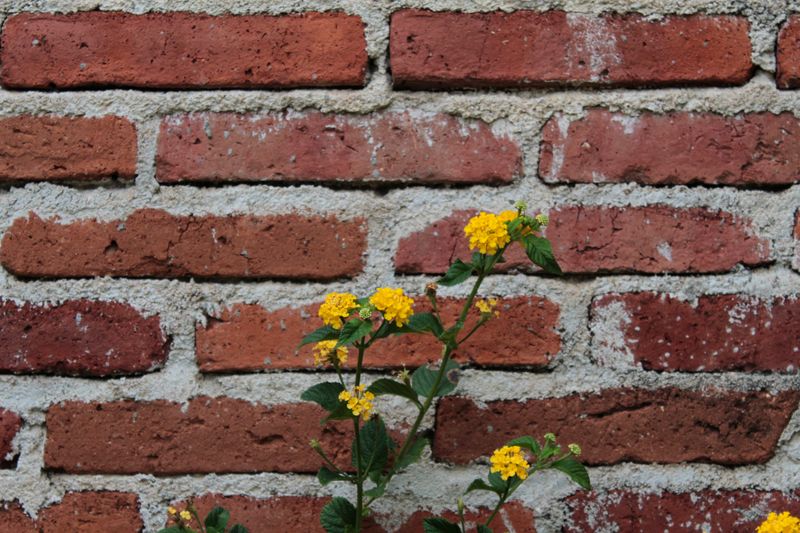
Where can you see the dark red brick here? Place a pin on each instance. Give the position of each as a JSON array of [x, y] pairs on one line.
[[52, 148], [179, 50], [13, 519], [387, 148], [10, 424], [288, 514], [513, 516], [643, 426], [533, 48], [79, 338], [723, 332], [154, 243], [93, 512], [787, 74], [755, 149]]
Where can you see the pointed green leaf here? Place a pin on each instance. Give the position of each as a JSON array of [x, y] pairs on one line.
[[541, 253], [217, 518], [340, 413], [484, 529], [354, 330], [440, 525], [479, 484], [423, 379], [325, 394], [384, 386], [326, 475], [423, 322], [238, 528], [338, 516], [325, 333], [575, 470], [374, 445], [412, 455], [171, 529], [376, 491], [529, 443], [496, 481], [458, 272]]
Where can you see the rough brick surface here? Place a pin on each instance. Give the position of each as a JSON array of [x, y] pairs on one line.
[[512, 517], [619, 425], [629, 512], [52, 148], [154, 243], [312, 147], [530, 48], [165, 438], [755, 149], [289, 514], [787, 75], [93, 512], [13, 519], [10, 424], [590, 240], [726, 332], [79, 337], [250, 338], [182, 51]]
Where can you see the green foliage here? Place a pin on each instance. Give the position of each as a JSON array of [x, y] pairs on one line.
[[384, 386], [575, 470], [484, 529], [425, 322], [338, 516], [424, 378], [458, 273], [440, 525], [326, 475], [353, 331], [325, 333], [216, 522], [540, 252], [479, 484], [412, 455], [526, 442], [375, 444], [325, 394]]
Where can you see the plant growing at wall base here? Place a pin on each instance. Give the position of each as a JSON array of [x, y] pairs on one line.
[[188, 521]]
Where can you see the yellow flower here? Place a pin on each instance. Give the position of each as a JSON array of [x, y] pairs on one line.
[[509, 462], [359, 401], [487, 307], [186, 515], [487, 233], [507, 216], [782, 523], [171, 510], [394, 304], [325, 354], [337, 305]]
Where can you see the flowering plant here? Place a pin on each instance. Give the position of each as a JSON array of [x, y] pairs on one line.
[[188, 521]]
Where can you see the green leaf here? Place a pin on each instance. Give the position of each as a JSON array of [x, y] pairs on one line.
[[423, 322], [529, 443], [217, 518], [575, 470], [412, 454], [325, 333], [440, 525], [353, 331], [376, 491], [326, 475], [496, 481], [171, 529], [389, 328], [484, 529], [342, 412], [238, 528], [458, 272], [374, 446], [325, 394], [541, 253], [479, 484], [338, 516], [424, 378], [386, 386]]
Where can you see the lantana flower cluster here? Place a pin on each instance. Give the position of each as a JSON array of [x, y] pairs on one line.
[[489, 233], [780, 523], [509, 461], [327, 353], [359, 401]]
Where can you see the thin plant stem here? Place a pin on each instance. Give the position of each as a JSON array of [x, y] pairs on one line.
[[356, 427]]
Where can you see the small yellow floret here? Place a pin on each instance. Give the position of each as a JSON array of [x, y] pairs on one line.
[[171, 510], [487, 233], [186, 515], [509, 462], [780, 523], [394, 304], [359, 401], [337, 305], [507, 216], [324, 354], [488, 306]]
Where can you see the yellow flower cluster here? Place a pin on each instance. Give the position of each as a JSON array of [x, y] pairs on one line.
[[488, 306], [359, 401], [184, 515], [780, 523], [488, 232], [509, 461], [394, 304], [337, 305], [324, 354]]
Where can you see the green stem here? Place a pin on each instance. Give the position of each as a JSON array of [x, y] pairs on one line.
[[497, 507], [328, 461], [356, 428]]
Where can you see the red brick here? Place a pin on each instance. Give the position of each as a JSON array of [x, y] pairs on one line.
[[93, 512], [759, 149], [724, 332], [182, 51], [10, 424], [79, 338], [288, 514], [530, 48], [735, 511], [166, 438], [617, 425], [512, 517], [787, 74], [315, 147], [154, 243], [51, 148], [590, 240], [13, 519], [250, 338]]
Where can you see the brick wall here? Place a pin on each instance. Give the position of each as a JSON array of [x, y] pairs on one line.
[[184, 181]]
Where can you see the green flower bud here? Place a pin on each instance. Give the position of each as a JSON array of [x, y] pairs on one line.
[[549, 437], [574, 449]]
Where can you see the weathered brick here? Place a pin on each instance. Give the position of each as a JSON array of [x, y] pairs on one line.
[[723, 332], [787, 73], [512, 517], [80, 338], [250, 338], [53, 148], [387, 148], [531, 48], [13, 519], [154, 243], [93, 512], [179, 50], [10, 424], [652, 239], [644, 426], [733, 511], [166, 438], [755, 149]]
